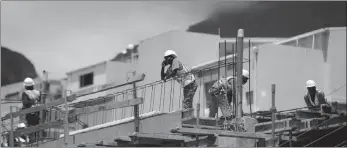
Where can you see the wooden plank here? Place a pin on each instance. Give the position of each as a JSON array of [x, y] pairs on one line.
[[94, 101], [53, 124], [38, 108], [306, 114], [248, 135], [107, 144], [201, 126], [287, 138], [115, 105], [169, 137], [104, 87], [279, 130], [122, 139]]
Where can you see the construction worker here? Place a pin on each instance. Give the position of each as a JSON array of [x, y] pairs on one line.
[[21, 139], [31, 98], [181, 74], [17, 141], [223, 90], [315, 99]]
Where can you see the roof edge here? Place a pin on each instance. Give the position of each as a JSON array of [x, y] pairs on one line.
[[83, 68]]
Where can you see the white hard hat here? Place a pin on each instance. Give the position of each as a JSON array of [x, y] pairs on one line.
[[245, 73], [131, 46], [170, 52], [310, 83], [230, 77], [28, 82], [21, 125]]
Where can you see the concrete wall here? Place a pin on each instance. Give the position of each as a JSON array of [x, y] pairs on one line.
[[157, 124], [289, 68], [99, 77], [336, 65]]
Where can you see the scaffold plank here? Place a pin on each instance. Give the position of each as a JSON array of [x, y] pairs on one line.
[[248, 135], [115, 105], [168, 137]]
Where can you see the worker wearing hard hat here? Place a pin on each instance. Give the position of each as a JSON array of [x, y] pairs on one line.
[[31, 98], [21, 139], [223, 90], [182, 75], [314, 98], [17, 141]]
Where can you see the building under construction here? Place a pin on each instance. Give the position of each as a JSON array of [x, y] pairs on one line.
[[270, 110]]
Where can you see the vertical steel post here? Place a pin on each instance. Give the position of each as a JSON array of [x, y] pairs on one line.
[[239, 67], [273, 110], [66, 122], [234, 76], [11, 137], [225, 57], [249, 79], [136, 109], [290, 138], [43, 101], [218, 74], [197, 122]]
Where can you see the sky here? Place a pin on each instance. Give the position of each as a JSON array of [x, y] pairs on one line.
[[62, 36]]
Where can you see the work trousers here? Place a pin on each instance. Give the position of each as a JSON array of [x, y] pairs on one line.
[[188, 94]]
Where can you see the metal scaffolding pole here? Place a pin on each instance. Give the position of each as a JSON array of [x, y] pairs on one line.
[[239, 67]]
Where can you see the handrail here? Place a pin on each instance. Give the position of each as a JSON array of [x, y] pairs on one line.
[[37, 108], [134, 79]]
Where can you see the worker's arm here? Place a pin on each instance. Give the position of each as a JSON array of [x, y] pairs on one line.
[[321, 97], [162, 70], [308, 103], [171, 74], [175, 66]]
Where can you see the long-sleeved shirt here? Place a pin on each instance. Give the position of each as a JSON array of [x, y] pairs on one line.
[[223, 85], [30, 98], [319, 99]]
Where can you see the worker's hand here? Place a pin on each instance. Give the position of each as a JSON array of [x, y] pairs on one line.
[[163, 64]]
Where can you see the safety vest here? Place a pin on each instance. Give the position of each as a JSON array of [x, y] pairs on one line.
[[32, 94]]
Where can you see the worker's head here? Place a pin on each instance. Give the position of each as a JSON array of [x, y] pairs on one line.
[[28, 83], [169, 55], [311, 86], [245, 76], [21, 125]]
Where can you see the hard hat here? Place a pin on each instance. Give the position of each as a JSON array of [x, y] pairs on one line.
[[230, 77], [28, 82], [21, 125], [170, 52], [245, 73], [131, 46], [310, 83]]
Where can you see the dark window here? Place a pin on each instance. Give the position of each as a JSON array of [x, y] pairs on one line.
[[86, 80], [13, 97], [249, 96]]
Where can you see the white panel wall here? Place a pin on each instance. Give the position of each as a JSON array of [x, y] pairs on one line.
[[289, 68], [336, 65]]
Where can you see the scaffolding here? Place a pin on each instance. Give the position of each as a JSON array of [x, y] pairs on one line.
[[275, 128]]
